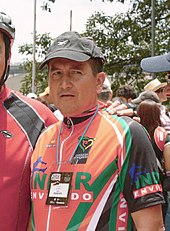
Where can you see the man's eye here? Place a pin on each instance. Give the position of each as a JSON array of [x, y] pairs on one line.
[[57, 74], [75, 73]]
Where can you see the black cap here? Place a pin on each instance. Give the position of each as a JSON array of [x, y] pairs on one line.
[[72, 46]]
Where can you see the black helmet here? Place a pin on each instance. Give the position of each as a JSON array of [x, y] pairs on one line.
[[6, 26]]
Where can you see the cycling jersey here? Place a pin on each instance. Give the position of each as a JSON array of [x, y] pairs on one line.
[[114, 174], [22, 120]]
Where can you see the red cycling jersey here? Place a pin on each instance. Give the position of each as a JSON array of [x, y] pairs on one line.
[[22, 120]]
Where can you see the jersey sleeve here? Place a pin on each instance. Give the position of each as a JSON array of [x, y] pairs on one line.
[[139, 175]]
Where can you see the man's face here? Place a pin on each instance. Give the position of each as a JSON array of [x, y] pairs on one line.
[[73, 86], [2, 55], [162, 94]]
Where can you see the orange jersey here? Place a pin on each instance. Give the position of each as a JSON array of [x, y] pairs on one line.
[[112, 174]]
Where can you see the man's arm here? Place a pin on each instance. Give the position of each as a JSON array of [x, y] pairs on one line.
[[149, 219]]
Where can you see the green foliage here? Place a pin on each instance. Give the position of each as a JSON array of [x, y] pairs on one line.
[[125, 39], [42, 44]]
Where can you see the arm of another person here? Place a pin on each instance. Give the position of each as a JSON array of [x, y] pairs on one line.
[[120, 109], [166, 153], [149, 219]]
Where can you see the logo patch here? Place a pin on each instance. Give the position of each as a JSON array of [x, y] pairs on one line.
[[6, 134], [36, 168], [62, 43], [82, 152], [52, 144]]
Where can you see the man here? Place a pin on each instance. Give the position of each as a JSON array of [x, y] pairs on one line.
[[91, 171], [126, 93], [159, 88], [46, 95], [22, 120], [106, 93], [45, 98]]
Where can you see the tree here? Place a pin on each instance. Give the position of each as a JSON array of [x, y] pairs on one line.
[[126, 38], [42, 44]]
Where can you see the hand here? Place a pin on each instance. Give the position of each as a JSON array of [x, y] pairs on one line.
[[119, 108]]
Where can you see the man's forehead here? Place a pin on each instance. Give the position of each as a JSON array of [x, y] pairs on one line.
[[63, 61]]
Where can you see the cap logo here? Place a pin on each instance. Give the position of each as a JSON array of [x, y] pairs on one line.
[[62, 43]]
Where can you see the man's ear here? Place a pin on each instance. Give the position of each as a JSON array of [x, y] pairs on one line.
[[99, 81]]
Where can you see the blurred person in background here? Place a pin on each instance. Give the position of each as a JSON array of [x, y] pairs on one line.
[[122, 103], [126, 93], [45, 95], [155, 64], [32, 95], [106, 93], [149, 113], [22, 121], [45, 98], [158, 87]]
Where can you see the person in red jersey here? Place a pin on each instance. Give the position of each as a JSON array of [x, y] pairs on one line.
[[22, 120], [91, 171]]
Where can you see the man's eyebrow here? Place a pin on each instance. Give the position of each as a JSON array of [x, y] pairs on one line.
[[54, 68], [77, 65]]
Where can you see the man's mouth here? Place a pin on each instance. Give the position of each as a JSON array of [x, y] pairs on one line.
[[67, 95]]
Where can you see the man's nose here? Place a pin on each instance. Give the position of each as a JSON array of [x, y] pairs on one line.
[[66, 82]]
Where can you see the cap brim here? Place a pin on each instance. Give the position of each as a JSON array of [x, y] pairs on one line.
[[68, 54], [159, 63], [137, 100]]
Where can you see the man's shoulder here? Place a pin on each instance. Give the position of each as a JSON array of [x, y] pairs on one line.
[[39, 108], [125, 122]]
